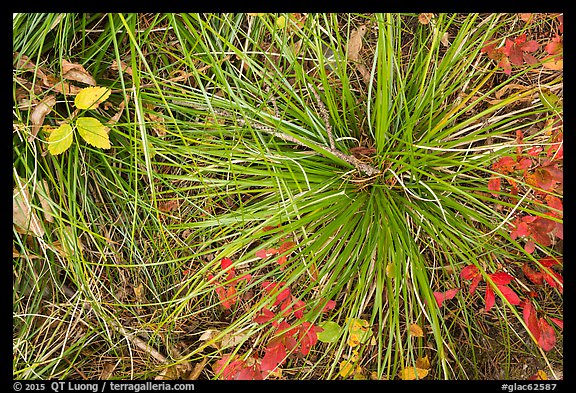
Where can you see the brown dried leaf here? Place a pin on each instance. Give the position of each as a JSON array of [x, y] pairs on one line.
[[23, 217], [355, 43], [425, 18], [197, 370], [76, 72], [445, 39], [39, 113], [416, 330], [124, 66], [423, 363]]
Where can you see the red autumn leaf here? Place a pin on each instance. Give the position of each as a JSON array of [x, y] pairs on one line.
[[265, 316], [329, 306], [514, 52], [489, 298], [447, 295], [308, 336], [501, 278], [491, 51], [286, 246], [271, 288], [236, 369], [554, 47], [509, 294], [558, 322], [547, 338], [249, 373], [225, 263], [529, 247], [471, 272], [531, 320], [529, 59], [554, 202], [534, 151], [228, 298], [550, 261], [275, 355], [554, 279], [265, 252], [524, 164], [494, 185], [281, 261], [533, 275], [299, 309], [506, 66], [504, 165]]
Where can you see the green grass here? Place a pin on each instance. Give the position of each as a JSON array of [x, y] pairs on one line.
[[240, 145]]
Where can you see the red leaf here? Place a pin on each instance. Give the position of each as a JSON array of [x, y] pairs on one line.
[[225, 263], [490, 298], [558, 322], [534, 276], [261, 253], [530, 46], [286, 246], [509, 294], [229, 371], [529, 314], [554, 202], [469, 272], [547, 338], [265, 316], [501, 278], [447, 295], [504, 165], [529, 59], [515, 54], [275, 355], [228, 299], [299, 309], [329, 306], [535, 151], [524, 164], [308, 336], [529, 247], [281, 261], [554, 47], [494, 185], [550, 261], [505, 64]]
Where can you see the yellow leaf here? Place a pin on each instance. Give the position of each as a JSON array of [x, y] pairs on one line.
[[346, 368], [60, 139], [412, 373], [281, 22], [416, 330], [93, 132], [391, 270], [354, 340], [541, 376], [91, 97]]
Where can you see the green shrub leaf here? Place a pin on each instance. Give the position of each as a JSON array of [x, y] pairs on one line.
[[330, 333], [93, 132]]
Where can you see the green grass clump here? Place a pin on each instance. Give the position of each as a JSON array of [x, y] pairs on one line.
[[221, 138]]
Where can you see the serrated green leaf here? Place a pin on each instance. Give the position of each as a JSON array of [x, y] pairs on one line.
[[60, 139], [91, 97], [93, 132], [330, 333]]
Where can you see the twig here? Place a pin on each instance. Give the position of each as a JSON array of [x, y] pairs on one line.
[[324, 114], [304, 142]]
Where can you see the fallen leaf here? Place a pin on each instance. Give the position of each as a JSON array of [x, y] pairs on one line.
[[76, 72], [355, 43], [553, 62], [547, 338], [416, 330], [526, 17], [412, 373], [39, 113], [346, 368], [539, 376], [23, 216], [197, 370], [425, 18], [125, 68], [445, 39], [93, 132], [423, 363]]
